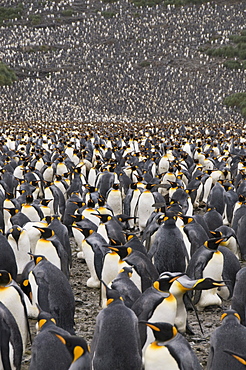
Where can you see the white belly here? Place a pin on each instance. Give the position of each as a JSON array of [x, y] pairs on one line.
[[159, 358]]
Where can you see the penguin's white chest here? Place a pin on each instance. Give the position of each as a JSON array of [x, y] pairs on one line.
[[11, 299], [89, 255], [30, 212], [47, 249], [164, 312], [213, 270], [159, 358]]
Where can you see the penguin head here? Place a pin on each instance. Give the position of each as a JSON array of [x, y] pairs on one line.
[[38, 258], [121, 250], [77, 346], [101, 201], [186, 219], [213, 243], [103, 217], [45, 202], [29, 198], [12, 211], [112, 294], [44, 318], [86, 231], [230, 315], [47, 219], [162, 331], [126, 271], [27, 289], [215, 234], [46, 232], [170, 219], [15, 231], [165, 280], [5, 278]]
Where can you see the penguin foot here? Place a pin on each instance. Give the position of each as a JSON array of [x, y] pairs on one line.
[[188, 330], [92, 283], [80, 255]]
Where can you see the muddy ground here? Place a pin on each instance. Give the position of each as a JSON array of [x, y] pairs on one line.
[[87, 308]]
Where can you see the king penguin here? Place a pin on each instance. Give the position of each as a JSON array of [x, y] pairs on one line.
[[48, 287], [50, 246], [170, 350], [107, 351], [19, 241], [231, 335], [207, 261], [155, 303], [47, 351], [79, 350], [168, 250], [13, 298], [7, 256], [11, 347], [238, 302]]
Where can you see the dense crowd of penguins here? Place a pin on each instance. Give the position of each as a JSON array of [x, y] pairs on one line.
[[142, 64], [129, 197]]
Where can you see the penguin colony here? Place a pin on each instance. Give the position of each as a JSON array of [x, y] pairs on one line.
[[131, 198], [92, 67]]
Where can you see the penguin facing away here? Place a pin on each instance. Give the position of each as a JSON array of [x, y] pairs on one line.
[[107, 352], [47, 351], [78, 349], [238, 302], [168, 250], [231, 335], [126, 287]]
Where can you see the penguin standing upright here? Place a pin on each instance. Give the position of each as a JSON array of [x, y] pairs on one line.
[[155, 303], [231, 335], [7, 257], [107, 351], [115, 199], [145, 206], [180, 286], [126, 287], [94, 253], [50, 247], [131, 204], [170, 350], [13, 298], [49, 287], [47, 351], [207, 261], [168, 250], [238, 302], [11, 347], [19, 241]]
